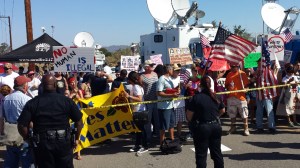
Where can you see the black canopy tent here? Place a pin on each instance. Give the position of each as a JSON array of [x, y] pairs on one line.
[[39, 50]]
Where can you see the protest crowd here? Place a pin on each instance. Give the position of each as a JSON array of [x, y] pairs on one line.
[[157, 83]]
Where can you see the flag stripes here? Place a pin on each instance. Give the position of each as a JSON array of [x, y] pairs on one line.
[[231, 47], [288, 36]]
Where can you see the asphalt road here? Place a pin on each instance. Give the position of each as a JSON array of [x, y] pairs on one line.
[[281, 150]]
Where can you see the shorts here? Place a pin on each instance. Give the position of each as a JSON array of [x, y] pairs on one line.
[[235, 105], [180, 115], [166, 118]]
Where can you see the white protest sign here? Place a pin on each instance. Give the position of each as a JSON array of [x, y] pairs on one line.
[[130, 63], [156, 59], [67, 59], [287, 56], [276, 46]]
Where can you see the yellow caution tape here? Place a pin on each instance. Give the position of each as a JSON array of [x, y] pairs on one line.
[[188, 97]]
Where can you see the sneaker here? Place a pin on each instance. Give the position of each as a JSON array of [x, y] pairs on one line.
[[296, 124], [231, 130], [291, 124], [135, 149], [272, 131], [188, 137], [141, 151], [246, 132]]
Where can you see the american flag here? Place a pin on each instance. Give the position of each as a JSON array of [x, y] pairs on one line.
[[266, 76], [288, 36], [184, 76], [204, 41], [231, 47]]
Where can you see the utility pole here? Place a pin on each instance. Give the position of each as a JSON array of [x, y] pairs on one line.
[[9, 26], [28, 21], [29, 28]]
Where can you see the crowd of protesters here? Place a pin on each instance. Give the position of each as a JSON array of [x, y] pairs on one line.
[[164, 82]]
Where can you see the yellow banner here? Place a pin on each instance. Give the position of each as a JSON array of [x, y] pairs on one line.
[[104, 123]]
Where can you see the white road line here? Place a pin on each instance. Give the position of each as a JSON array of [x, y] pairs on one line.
[[223, 149]]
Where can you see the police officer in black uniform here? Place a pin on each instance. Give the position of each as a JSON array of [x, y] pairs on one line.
[[203, 112], [50, 113]]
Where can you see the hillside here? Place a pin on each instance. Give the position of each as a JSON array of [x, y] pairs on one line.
[[114, 48]]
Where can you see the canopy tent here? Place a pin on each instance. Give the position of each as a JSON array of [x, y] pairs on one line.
[[39, 50]]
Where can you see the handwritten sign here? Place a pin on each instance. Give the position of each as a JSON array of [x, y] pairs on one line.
[[68, 59], [130, 63], [180, 56], [287, 56], [251, 60], [276, 46], [156, 59]]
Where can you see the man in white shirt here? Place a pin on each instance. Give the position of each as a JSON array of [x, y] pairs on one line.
[[33, 85], [8, 76], [107, 69]]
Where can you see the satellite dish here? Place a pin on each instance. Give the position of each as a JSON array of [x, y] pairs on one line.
[[199, 14], [161, 10], [181, 7], [84, 39], [273, 15]]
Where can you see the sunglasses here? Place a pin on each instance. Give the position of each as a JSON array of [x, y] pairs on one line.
[[5, 68]]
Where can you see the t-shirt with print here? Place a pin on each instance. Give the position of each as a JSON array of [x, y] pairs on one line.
[[33, 87], [162, 84], [233, 82]]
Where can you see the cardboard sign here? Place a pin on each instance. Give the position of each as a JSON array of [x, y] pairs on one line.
[[287, 56], [276, 46], [180, 56], [130, 63], [251, 60], [156, 59], [68, 59]]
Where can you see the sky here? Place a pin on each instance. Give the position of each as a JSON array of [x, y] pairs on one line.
[[117, 22]]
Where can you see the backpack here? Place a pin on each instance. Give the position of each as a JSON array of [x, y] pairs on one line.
[[170, 146]]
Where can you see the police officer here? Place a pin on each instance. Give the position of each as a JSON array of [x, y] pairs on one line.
[[50, 113], [203, 112]]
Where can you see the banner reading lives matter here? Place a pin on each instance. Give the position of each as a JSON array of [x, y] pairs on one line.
[[130, 63], [101, 124], [276, 46], [67, 59], [180, 56]]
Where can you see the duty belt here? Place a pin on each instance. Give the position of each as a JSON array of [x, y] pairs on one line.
[[54, 135]]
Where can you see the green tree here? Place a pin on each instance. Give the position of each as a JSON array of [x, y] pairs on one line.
[[238, 30], [4, 48], [214, 23], [105, 52]]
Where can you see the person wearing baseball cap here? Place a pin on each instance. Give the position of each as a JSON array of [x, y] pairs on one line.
[[149, 63], [13, 105]]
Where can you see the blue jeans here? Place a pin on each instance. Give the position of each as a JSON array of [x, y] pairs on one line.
[[152, 114], [268, 105], [14, 154]]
